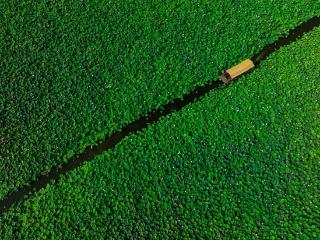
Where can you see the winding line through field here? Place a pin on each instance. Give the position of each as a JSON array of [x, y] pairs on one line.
[[138, 125]]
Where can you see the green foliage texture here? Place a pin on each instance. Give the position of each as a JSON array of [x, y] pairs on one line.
[[73, 72], [241, 163]]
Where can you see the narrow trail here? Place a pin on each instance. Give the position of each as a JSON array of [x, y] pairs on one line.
[[152, 117]]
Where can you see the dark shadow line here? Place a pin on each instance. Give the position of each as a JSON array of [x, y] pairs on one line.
[[108, 143], [294, 35], [152, 117]]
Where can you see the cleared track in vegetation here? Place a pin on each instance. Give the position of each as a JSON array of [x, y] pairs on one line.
[[243, 162], [75, 72], [153, 117]]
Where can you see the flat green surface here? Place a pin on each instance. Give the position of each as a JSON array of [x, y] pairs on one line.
[[72, 73], [241, 163]]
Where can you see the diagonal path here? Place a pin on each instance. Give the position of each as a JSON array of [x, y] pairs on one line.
[[242, 162], [153, 117], [72, 73]]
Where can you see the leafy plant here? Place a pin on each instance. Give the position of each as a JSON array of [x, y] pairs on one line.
[[72, 73], [242, 163]]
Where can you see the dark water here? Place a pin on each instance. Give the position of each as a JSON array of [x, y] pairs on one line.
[[293, 35], [152, 117]]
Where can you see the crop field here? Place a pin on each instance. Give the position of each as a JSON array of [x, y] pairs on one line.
[[241, 163], [72, 73]]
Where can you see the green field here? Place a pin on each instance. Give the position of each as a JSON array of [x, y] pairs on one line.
[[72, 73], [241, 163]]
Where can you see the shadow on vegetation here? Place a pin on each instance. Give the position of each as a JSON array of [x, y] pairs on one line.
[[152, 117]]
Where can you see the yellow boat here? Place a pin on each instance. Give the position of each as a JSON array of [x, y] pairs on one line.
[[237, 71]]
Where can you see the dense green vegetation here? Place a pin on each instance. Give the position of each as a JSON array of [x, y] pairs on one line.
[[73, 72], [241, 163]]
